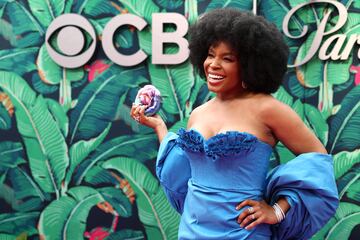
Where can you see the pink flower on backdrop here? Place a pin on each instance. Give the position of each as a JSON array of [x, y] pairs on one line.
[[96, 68], [356, 70], [98, 233]]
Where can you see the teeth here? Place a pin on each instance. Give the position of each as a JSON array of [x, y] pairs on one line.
[[213, 76]]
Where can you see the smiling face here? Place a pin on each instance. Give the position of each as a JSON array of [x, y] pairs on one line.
[[222, 70]]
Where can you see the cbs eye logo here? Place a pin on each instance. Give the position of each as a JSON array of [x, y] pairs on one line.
[[70, 40], [69, 32]]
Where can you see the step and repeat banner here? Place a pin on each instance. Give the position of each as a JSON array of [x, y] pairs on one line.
[[74, 165]]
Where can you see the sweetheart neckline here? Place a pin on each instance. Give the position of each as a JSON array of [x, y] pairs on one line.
[[224, 134]]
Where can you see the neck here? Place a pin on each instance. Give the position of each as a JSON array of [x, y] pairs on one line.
[[228, 97]]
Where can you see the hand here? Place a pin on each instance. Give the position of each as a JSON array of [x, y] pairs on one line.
[[257, 213], [138, 114]]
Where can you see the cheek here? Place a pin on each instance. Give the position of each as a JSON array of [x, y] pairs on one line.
[[206, 64]]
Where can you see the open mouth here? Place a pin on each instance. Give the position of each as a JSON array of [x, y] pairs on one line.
[[215, 78]]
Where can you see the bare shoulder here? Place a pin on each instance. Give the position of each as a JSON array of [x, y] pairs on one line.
[[287, 126], [273, 110], [197, 113]]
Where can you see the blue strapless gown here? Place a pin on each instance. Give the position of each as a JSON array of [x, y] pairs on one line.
[[205, 180]]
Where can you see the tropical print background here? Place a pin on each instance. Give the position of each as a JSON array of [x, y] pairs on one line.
[[73, 165]]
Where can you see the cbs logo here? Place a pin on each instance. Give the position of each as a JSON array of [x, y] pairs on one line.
[[71, 40]]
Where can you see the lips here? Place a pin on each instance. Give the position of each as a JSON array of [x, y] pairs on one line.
[[214, 79]]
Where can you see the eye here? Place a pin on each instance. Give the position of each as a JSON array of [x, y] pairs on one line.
[[70, 40], [210, 55]]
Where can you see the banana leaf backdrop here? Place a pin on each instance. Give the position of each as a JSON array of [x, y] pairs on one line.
[[73, 165]]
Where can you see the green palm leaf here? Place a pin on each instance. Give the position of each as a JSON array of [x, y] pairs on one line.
[[196, 90], [18, 60], [46, 147], [6, 30], [98, 101], [338, 71], [46, 10], [311, 73], [11, 154], [80, 150], [313, 119], [348, 179], [40, 86], [59, 115], [298, 90], [98, 176], [24, 24], [191, 11], [23, 185], [117, 200], [344, 127], [170, 5], [8, 195], [343, 162], [347, 216], [52, 74], [353, 191], [16, 223], [143, 9], [159, 219], [144, 147], [214, 4], [5, 119], [94, 8], [173, 83], [66, 217], [275, 11], [126, 235], [7, 237]]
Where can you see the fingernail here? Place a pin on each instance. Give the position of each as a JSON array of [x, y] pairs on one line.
[[246, 228], [237, 208]]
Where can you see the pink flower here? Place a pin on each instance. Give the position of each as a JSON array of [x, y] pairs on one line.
[[96, 68], [356, 70], [98, 233]]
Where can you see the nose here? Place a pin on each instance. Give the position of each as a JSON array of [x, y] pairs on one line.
[[214, 63]]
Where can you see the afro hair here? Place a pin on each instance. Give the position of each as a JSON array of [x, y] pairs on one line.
[[262, 51]]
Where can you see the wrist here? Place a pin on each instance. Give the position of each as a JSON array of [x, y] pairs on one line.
[[161, 130]]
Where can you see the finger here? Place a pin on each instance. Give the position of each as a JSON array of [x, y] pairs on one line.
[[248, 219], [142, 110], [247, 202], [133, 108], [254, 224], [137, 110], [246, 212]]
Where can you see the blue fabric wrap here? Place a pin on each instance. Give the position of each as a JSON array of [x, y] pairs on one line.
[[309, 186], [173, 175], [205, 179]]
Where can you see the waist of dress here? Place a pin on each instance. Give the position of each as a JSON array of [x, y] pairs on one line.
[[251, 192], [210, 213], [216, 185]]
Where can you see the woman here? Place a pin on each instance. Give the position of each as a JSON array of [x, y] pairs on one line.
[[215, 173]]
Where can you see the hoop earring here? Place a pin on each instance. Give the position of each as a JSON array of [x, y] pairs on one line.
[[243, 85]]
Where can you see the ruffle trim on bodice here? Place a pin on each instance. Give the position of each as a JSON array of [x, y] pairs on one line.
[[221, 145]]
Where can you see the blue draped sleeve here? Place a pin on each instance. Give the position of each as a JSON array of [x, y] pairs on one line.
[[173, 171], [308, 184]]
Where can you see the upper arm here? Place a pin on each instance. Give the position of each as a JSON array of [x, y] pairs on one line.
[[289, 129]]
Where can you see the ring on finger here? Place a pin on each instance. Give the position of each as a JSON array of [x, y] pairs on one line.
[[251, 209]]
